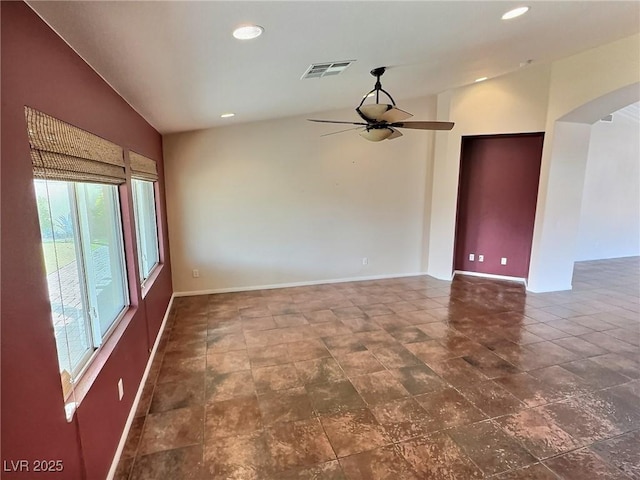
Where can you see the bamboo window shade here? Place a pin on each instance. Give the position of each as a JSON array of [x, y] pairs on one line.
[[143, 168], [60, 151]]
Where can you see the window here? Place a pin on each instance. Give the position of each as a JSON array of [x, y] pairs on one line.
[[146, 228], [76, 177], [84, 259]]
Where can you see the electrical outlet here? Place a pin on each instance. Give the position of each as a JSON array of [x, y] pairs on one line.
[[481, 258], [120, 389], [196, 273], [472, 257], [503, 261], [365, 261]]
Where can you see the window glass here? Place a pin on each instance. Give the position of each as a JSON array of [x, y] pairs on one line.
[[146, 226], [83, 253]]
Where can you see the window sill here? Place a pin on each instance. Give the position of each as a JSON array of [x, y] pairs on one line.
[[150, 280]]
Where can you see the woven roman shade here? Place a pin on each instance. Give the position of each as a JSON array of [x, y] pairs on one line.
[[143, 168], [60, 151]]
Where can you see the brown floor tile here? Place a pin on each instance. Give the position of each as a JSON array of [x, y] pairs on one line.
[[172, 429], [334, 397], [376, 309], [447, 408], [561, 380], [331, 329], [225, 343], [457, 372], [343, 344], [296, 444], [375, 339], [238, 416], [321, 370], [490, 448], [395, 356], [229, 385], [580, 347], [396, 338], [419, 379], [285, 405], [277, 377], [489, 364], [168, 396], [133, 438], [538, 433], [622, 452], [583, 464], [177, 370], [179, 464], [268, 356], [245, 457], [324, 471], [354, 432], [492, 399], [307, 350], [379, 387], [629, 367], [322, 316], [384, 463], [437, 457], [529, 389], [430, 350], [359, 363], [123, 470], [595, 375], [228, 361], [581, 424], [532, 472], [410, 334], [403, 419]]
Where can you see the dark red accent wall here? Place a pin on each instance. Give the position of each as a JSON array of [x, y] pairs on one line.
[[40, 70], [497, 197]]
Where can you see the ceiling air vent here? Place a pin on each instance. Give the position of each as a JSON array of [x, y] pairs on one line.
[[319, 70]]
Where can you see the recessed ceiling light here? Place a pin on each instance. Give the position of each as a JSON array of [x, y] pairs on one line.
[[481, 79], [516, 12], [247, 32], [227, 115]]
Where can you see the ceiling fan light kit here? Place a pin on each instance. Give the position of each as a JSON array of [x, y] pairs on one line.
[[381, 120]]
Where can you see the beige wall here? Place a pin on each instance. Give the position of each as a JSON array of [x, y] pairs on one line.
[[513, 103], [272, 203], [583, 89]]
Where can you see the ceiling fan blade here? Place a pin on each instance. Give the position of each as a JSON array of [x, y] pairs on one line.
[[395, 134], [341, 131], [395, 115], [337, 121], [424, 125]]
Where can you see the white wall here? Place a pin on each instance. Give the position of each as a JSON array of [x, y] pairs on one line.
[[610, 215], [270, 203]]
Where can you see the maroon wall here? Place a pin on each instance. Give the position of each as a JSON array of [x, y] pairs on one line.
[[497, 196], [41, 71]]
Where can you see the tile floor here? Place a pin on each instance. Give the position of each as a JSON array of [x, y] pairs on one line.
[[409, 378]]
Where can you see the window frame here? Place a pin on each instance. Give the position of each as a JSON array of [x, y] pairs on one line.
[[137, 227], [82, 244]]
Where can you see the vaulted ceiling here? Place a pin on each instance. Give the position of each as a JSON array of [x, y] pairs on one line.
[[178, 65]]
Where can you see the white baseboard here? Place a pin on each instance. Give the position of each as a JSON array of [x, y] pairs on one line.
[[491, 275], [136, 401], [294, 284]]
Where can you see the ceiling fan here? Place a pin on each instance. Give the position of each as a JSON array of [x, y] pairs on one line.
[[381, 120]]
